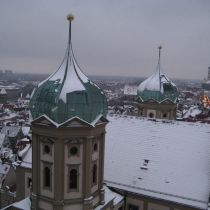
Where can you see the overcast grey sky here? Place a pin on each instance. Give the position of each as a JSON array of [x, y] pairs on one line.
[[110, 37]]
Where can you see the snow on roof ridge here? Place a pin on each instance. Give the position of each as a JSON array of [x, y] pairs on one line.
[[153, 191], [57, 125], [155, 82], [72, 81]]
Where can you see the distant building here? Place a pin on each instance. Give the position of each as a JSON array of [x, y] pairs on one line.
[[206, 84], [130, 92], [157, 96], [3, 96], [13, 93]]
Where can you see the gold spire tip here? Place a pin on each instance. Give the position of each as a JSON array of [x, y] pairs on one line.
[[70, 17]]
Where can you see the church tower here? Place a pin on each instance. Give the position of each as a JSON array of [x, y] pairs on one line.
[[157, 95], [68, 134]]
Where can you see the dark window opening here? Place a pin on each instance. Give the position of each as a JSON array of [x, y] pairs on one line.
[[151, 115], [95, 147], [132, 207], [29, 182], [94, 174], [73, 179], [46, 149], [164, 115], [73, 150], [47, 177]]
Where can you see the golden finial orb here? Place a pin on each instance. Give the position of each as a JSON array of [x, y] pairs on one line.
[[70, 17]]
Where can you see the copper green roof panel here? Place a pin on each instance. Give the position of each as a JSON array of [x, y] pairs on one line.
[[68, 93]]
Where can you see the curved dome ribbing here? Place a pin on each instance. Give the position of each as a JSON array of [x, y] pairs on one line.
[[158, 87], [68, 93]]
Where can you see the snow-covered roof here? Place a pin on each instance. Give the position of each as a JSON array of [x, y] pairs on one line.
[[130, 90], [192, 112], [109, 196], [2, 138], [3, 91], [10, 131], [27, 157], [164, 160], [4, 169], [25, 130], [24, 204]]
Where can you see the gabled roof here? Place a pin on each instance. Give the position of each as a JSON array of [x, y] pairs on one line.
[[72, 122]]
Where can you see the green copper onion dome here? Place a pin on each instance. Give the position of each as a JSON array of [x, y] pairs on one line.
[[158, 87], [68, 93]]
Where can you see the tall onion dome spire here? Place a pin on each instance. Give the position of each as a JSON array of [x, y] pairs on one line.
[[158, 86], [68, 92]]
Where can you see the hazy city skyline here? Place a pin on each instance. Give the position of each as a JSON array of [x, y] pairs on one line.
[[115, 37]]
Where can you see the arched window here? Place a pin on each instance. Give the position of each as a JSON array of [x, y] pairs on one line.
[[46, 149], [94, 174], [73, 179], [95, 147], [151, 115], [164, 115], [47, 176]]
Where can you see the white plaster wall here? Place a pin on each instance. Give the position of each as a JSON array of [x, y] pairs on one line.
[[136, 202], [27, 189], [45, 205], [153, 206]]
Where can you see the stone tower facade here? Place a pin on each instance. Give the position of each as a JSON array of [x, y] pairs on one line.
[[68, 133], [68, 164]]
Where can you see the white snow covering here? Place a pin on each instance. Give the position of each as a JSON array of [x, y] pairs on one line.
[[2, 138], [3, 91], [72, 82], [23, 152], [192, 112], [82, 76], [57, 125], [130, 90], [155, 82], [109, 196], [59, 74], [24, 204], [178, 158], [25, 130], [27, 158]]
